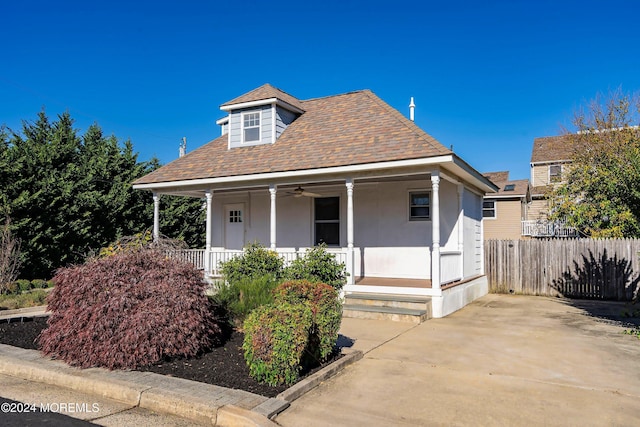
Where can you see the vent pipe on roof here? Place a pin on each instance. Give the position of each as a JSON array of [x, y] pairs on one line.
[[412, 107], [183, 146]]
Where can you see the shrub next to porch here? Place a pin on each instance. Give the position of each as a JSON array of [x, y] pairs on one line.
[[249, 278], [299, 330], [255, 261], [318, 265], [131, 309]]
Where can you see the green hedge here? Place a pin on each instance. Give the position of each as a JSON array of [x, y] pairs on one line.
[[297, 331], [275, 340]]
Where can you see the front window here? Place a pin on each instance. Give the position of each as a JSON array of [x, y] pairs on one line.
[[419, 206], [489, 209], [555, 173], [251, 127], [327, 220]]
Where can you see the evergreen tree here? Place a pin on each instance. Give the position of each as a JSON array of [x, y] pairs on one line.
[[68, 195]]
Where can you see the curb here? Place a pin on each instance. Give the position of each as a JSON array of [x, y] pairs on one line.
[[302, 387], [204, 403], [21, 313]]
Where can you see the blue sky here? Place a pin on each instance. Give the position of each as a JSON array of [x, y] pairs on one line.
[[487, 77]]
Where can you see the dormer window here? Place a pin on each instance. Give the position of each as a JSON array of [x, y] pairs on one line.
[[251, 127]]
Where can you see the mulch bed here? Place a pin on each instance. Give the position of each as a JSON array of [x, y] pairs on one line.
[[223, 366]]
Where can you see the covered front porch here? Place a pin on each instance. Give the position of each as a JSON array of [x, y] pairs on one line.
[[407, 232]]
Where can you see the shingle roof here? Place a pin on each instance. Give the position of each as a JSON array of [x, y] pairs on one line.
[[496, 177], [501, 179], [552, 149], [265, 91], [341, 130]]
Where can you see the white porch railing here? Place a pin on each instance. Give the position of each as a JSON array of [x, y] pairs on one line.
[[218, 256], [450, 266], [194, 256], [541, 228]]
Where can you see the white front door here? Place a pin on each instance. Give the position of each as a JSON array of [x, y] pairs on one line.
[[234, 226]]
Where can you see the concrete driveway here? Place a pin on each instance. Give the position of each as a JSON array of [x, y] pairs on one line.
[[503, 360]]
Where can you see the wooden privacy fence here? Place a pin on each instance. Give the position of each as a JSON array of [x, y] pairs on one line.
[[576, 268]]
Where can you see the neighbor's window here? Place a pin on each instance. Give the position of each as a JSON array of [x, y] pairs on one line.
[[419, 206], [489, 209], [251, 127], [327, 220], [555, 173]]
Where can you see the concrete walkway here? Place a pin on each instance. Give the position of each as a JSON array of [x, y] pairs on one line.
[[503, 360]]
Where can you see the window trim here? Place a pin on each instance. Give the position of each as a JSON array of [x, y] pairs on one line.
[[494, 209], [410, 217], [259, 127]]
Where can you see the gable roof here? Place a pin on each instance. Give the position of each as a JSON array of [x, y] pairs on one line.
[[552, 149], [501, 179], [341, 130], [262, 93]]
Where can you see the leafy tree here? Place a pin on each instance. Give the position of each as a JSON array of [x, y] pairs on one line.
[[600, 194]]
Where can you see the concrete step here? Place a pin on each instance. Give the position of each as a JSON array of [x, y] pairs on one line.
[[389, 300], [396, 314]]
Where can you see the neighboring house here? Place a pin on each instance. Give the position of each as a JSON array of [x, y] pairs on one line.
[[550, 160], [504, 211], [401, 210]]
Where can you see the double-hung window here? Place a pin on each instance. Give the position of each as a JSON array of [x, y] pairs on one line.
[[488, 209], [555, 173], [419, 205], [251, 127]]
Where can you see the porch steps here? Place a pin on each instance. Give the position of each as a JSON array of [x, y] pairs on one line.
[[398, 308]]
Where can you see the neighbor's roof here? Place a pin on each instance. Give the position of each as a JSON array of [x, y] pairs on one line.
[[341, 130], [552, 149], [501, 179]]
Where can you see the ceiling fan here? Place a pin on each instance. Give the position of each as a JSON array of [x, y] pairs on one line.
[[299, 192]]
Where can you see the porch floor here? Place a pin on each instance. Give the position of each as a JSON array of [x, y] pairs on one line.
[[394, 282]]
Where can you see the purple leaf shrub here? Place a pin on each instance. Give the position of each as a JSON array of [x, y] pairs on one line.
[[128, 310]]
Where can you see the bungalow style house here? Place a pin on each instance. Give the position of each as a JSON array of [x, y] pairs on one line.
[[402, 212], [503, 212], [550, 158]]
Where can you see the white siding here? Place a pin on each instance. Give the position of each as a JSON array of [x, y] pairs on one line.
[[472, 234], [386, 243]]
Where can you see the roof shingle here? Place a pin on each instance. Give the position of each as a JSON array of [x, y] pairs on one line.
[[341, 130], [265, 91], [501, 179], [552, 149]]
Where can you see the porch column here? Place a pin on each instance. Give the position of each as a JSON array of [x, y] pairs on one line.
[[156, 217], [272, 193], [208, 232], [350, 269], [435, 231], [461, 228]]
